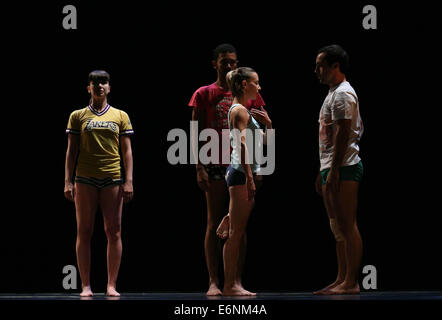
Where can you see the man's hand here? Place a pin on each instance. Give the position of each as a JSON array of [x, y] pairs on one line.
[[318, 184], [262, 116], [202, 178], [332, 183]]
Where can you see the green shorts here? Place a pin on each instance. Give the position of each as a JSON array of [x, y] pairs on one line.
[[353, 173]]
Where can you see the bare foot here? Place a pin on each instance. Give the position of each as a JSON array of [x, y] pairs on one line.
[[111, 292], [213, 290], [344, 288], [223, 228], [326, 290], [86, 292], [237, 291]]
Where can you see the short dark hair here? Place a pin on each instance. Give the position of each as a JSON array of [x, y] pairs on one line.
[[223, 48], [235, 78], [335, 53], [98, 76]]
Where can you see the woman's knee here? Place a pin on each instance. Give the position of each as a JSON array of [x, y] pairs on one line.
[[85, 233], [236, 232], [113, 232]]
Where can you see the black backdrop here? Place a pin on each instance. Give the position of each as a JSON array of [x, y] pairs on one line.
[[157, 57]]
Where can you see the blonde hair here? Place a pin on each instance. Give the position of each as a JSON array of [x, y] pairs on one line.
[[235, 78]]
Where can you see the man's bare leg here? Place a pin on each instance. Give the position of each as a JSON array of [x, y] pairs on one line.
[[217, 205], [346, 203], [340, 255], [340, 247]]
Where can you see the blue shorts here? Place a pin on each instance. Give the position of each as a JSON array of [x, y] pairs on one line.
[[235, 177]]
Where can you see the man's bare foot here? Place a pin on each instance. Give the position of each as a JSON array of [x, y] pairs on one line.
[[344, 288], [325, 291], [86, 292], [213, 290], [223, 228], [111, 292], [237, 290]]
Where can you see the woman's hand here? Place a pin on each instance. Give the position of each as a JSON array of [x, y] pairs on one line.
[[251, 189], [69, 191], [127, 190]]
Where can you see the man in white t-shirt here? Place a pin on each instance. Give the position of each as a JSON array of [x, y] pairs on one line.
[[340, 129]]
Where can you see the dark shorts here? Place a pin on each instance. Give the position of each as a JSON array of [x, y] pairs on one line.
[[234, 177], [98, 183], [215, 172], [353, 173]]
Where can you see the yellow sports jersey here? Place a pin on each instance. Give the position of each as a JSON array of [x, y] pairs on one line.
[[100, 133]]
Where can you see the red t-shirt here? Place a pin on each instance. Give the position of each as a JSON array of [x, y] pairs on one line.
[[216, 102]]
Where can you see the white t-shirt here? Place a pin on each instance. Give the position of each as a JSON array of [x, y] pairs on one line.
[[340, 103]]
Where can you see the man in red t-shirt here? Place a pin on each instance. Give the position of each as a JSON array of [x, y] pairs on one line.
[[210, 106]]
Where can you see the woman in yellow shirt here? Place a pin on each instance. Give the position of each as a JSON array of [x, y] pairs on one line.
[[95, 134]]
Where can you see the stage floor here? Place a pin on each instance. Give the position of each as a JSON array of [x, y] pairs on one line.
[[262, 296]]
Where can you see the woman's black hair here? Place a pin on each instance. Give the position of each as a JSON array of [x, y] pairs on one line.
[[99, 76]]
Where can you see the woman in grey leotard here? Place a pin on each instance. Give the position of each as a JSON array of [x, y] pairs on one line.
[[240, 176]]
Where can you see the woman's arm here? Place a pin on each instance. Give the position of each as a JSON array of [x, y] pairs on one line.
[[126, 154], [71, 155], [240, 118]]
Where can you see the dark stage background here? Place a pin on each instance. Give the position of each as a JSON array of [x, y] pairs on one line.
[[157, 57]]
